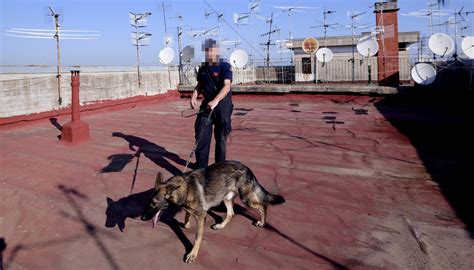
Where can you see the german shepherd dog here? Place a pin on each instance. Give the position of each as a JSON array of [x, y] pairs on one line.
[[202, 189]]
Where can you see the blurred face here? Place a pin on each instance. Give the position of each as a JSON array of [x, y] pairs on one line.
[[212, 54]]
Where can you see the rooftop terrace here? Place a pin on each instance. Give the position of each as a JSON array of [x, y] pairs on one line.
[[370, 183]]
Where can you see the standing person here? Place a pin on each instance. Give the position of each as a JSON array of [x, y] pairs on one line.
[[214, 80]]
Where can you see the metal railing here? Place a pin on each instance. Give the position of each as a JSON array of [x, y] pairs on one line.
[[339, 70]]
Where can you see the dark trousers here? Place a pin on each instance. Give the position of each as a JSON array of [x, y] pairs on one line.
[[220, 119]]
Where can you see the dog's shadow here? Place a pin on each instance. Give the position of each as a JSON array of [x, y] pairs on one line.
[[133, 205], [238, 210]]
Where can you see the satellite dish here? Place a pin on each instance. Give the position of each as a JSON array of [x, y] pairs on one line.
[[324, 55], [310, 45], [441, 44], [367, 46], [187, 54], [239, 58], [166, 55], [423, 73], [468, 46]]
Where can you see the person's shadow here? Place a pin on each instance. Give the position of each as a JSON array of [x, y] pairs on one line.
[[158, 154]]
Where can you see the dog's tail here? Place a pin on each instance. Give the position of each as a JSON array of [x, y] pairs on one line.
[[273, 199], [265, 196]]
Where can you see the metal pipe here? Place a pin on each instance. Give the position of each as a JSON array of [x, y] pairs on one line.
[[75, 83]]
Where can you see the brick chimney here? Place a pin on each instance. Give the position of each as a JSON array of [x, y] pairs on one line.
[[386, 17]]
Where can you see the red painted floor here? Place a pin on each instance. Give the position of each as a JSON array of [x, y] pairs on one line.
[[359, 191]]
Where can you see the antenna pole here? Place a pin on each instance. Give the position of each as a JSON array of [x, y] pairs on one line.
[[180, 67], [58, 50], [289, 26], [138, 55], [205, 16], [353, 27], [431, 18], [164, 17], [353, 50], [269, 42], [251, 36], [238, 33], [456, 32]]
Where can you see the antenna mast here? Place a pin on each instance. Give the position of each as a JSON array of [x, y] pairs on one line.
[[139, 39], [58, 52], [353, 16]]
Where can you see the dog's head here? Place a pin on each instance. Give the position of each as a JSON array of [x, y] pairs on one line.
[[171, 192]]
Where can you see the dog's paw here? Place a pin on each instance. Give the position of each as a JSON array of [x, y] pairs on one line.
[[185, 225], [217, 226], [259, 224], [190, 258]]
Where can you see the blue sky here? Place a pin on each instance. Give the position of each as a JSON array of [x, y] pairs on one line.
[[110, 17]]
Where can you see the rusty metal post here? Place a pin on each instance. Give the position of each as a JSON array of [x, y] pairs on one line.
[[76, 130], [75, 83]]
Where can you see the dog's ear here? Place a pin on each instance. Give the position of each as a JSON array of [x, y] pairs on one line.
[[109, 201], [159, 180], [170, 189]]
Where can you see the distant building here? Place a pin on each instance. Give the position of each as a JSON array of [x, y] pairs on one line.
[[340, 68]]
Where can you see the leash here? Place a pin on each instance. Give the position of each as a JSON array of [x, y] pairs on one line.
[[199, 139], [191, 112]]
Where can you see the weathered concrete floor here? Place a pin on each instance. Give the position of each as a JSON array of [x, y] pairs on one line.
[[357, 192]]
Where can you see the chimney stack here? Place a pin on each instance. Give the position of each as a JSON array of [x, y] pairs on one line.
[[386, 17]]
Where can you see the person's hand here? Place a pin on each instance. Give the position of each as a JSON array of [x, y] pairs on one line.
[[213, 104], [193, 102]]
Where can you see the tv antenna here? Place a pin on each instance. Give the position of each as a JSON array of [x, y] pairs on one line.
[[289, 10], [325, 24], [456, 22], [354, 15], [58, 34], [204, 33], [447, 23], [430, 13], [163, 7], [254, 8], [139, 21], [180, 52], [324, 55], [241, 19], [207, 14], [462, 30], [58, 50], [269, 40]]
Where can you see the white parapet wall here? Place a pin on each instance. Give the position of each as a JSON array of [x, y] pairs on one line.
[[24, 94]]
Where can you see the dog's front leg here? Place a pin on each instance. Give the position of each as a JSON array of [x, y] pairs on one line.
[[187, 223], [191, 257]]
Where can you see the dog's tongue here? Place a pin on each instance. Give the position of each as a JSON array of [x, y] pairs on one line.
[[155, 218]]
